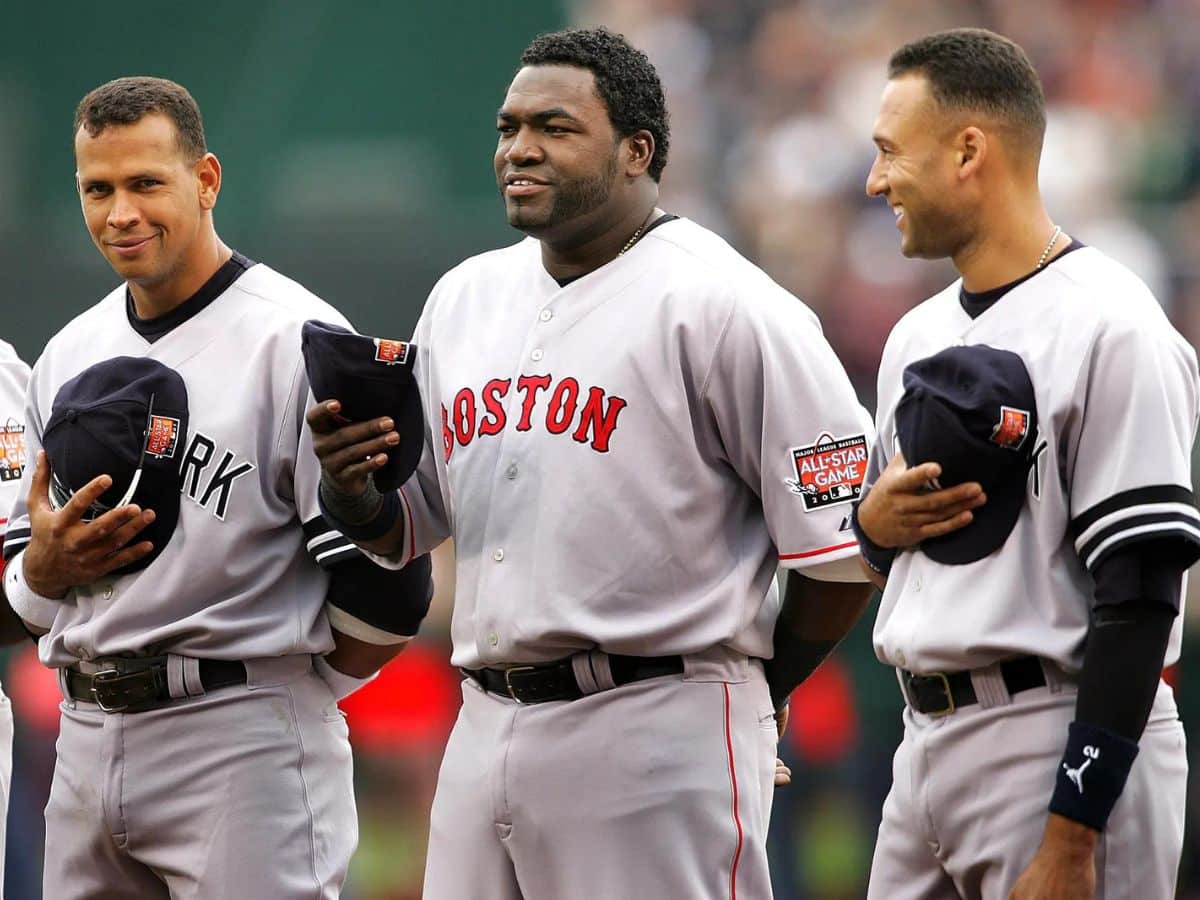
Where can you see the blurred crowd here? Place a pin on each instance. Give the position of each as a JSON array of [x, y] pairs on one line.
[[772, 105]]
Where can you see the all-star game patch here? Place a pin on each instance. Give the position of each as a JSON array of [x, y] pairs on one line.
[[392, 353], [830, 471], [1012, 429], [12, 450], [162, 437]]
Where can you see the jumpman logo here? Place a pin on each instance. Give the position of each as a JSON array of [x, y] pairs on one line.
[[1076, 775]]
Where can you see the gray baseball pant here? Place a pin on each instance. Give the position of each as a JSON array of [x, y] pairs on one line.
[[970, 793], [244, 793]]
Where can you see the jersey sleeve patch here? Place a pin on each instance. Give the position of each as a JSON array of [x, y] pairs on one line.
[[326, 545], [1159, 513], [828, 472]]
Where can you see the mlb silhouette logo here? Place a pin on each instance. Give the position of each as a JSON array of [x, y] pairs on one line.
[[391, 353], [1012, 429], [162, 437]]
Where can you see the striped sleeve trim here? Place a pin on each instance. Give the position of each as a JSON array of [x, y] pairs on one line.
[[1166, 512], [327, 545], [15, 540], [823, 551], [344, 622]]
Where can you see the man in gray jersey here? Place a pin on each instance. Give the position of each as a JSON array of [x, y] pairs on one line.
[[1029, 517], [200, 754], [631, 427]]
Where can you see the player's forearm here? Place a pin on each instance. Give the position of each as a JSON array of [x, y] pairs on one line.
[[1137, 596], [815, 616]]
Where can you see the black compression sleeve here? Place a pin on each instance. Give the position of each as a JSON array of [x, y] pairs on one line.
[[393, 601], [1137, 599]]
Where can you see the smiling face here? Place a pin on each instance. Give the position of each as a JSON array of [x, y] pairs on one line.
[[558, 155], [146, 204], [916, 171]]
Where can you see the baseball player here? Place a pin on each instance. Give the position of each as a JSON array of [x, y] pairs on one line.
[[200, 753], [14, 378], [631, 428], [1030, 515]]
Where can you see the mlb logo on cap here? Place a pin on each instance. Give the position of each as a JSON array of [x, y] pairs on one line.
[[973, 411], [125, 418]]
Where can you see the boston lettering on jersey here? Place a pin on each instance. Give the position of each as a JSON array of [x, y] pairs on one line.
[[560, 407], [204, 486]]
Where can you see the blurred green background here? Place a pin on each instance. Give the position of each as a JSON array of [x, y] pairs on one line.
[[356, 140]]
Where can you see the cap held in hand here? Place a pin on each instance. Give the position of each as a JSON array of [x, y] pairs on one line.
[[370, 378], [973, 411], [127, 418]]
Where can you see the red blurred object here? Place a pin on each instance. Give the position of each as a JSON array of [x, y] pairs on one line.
[[34, 691], [411, 705], [823, 722]]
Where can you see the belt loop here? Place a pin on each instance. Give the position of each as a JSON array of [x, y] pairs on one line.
[[602, 670], [581, 666], [990, 689], [1056, 678], [191, 676], [62, 675], [176, 686]]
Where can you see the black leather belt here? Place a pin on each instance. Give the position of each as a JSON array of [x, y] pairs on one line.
[[941, 693], [556, 681], [140, 683]]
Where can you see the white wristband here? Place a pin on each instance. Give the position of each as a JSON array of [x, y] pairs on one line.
[[35, 609], [340, 683]]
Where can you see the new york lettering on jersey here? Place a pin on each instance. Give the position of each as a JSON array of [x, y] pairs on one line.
[[246, 475]]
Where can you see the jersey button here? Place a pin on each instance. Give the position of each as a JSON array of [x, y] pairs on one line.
[[918, 584], [107, 592], [511, 472], [498, 556], [545, 315], [536, 355], [493, 638]]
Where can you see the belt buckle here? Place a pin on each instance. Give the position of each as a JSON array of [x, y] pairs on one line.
[[101, 678], [941, 713], [508, 680]]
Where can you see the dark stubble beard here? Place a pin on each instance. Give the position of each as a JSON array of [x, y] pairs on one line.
[[572, 199]]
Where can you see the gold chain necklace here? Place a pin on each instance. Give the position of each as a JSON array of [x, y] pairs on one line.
[[1049, 247], [637, 234]]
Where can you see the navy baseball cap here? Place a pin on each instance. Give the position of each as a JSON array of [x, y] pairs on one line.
[[973, 411], [371, 377], [127, 418]]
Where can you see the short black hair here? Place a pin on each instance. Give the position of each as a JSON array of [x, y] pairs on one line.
[[125, 101], [626, 80], [979, 70]]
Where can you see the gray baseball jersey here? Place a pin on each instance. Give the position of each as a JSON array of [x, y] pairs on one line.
[[1117, 395], [623, 462], [242, 575], [244, 791], [14, 378]]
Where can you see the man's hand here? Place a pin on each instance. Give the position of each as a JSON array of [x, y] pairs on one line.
[[901, 511], [349, 453], [783, 775], [1064, 868], [65, 551]]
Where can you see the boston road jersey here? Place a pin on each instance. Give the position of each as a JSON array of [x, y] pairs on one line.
[[623, 462], [236, 580], [1116, 390]]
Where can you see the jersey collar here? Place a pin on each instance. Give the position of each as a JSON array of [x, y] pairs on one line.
[[160, 326], [976, 303]]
